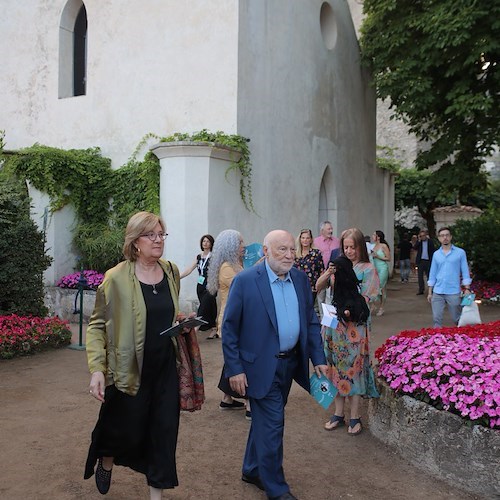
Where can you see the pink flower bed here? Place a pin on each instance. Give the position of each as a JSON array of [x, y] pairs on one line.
[[454, 369], [26, 335], [94, 279]]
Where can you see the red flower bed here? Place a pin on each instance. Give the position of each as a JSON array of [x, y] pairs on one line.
[[26, 335]]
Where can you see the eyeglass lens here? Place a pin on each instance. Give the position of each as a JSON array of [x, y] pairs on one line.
[[152, 236]]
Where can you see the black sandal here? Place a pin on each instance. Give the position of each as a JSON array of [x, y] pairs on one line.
[[353, 422], [102, 478], [334, 423]]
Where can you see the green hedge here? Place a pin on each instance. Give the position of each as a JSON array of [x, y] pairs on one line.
[[480, 238], [22, 254]]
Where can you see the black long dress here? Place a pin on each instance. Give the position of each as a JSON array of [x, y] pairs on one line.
[[208, 304], [140, 431]]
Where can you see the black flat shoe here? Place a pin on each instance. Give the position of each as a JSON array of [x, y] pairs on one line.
[[102, 478]]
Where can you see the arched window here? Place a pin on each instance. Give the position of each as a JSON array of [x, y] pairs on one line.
[[73, 49]]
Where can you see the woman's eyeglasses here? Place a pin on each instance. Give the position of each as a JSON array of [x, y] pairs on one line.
[[152, 236]]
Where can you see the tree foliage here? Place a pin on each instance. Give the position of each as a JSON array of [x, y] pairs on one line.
[[480, 238], [437, 62]]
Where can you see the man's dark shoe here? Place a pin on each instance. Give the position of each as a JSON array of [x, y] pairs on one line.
[[285, 496], [255, 480], [420, 293]]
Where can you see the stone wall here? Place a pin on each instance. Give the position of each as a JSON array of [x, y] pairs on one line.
[[61, 302], [438, 442]]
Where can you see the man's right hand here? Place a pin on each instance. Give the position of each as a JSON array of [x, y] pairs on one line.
[[239, 383]]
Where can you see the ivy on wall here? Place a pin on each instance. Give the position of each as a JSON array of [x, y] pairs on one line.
[[103, 198], [235, 141]]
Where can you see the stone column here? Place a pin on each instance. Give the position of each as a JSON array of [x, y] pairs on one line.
[[57, 227], [192, 176]]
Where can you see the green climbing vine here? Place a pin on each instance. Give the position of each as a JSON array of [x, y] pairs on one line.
[[102, 197], [238, 142]]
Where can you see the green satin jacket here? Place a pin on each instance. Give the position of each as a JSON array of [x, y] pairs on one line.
[[117, 328]]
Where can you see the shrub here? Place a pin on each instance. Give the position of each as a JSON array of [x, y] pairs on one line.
[[22, 254], [100, 245], [20, 336], [480, 238]]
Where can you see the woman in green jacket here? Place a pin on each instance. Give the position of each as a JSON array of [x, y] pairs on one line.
[[133, 367]]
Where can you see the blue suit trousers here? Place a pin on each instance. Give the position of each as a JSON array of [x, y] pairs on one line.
[[264, 451]]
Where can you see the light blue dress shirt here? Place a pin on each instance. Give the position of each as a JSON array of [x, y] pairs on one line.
[[446, 270], [286, 306]]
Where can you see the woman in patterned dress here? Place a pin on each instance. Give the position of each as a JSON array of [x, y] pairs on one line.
[[309, 259], [347, 346]]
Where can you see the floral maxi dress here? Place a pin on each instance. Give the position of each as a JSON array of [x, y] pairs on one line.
[[347, 347]]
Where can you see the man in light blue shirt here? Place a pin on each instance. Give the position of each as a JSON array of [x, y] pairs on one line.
[[449, 265], [269, 333]]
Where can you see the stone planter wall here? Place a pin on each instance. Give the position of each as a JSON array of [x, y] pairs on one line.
[[438, 442], [61, 302]]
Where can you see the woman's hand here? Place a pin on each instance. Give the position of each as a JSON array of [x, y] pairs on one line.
[[97, 386], [326, 278], [182, 317]]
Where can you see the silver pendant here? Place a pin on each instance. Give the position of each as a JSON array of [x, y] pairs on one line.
[[155, 291]]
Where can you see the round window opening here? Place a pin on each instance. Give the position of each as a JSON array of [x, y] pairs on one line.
[[328, 26]]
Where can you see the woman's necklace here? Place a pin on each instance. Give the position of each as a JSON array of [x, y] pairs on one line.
[[153, 285]]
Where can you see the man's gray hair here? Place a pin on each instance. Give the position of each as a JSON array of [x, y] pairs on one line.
[[323, 224]]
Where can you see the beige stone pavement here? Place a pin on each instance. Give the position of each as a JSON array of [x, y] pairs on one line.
[[47, 414]]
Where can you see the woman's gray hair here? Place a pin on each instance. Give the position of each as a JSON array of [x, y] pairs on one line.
[[226, 249]]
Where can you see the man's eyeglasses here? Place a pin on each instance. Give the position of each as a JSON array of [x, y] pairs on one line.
[[152, 236]]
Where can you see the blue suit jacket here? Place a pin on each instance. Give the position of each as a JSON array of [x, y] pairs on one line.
[[250, 338]]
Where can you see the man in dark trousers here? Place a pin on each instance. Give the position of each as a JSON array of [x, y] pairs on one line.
[[425, 248], [269, 333]]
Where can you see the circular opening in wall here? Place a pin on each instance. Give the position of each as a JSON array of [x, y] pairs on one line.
[[328, 25]]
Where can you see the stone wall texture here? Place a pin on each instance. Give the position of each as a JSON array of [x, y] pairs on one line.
[[61, 302], [438, 442]]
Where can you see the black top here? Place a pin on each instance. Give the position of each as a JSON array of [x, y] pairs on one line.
[[160, 315], [405, 248]]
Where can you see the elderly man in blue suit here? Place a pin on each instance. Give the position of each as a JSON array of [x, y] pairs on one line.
[[269, 333]]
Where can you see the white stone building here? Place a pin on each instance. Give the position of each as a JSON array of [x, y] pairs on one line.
[[284, 73]]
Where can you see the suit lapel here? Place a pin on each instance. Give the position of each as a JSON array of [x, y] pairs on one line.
[[300, 297], [264, 287]]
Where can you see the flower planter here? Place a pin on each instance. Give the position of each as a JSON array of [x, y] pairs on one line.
[[438, 442], [61, 302]]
